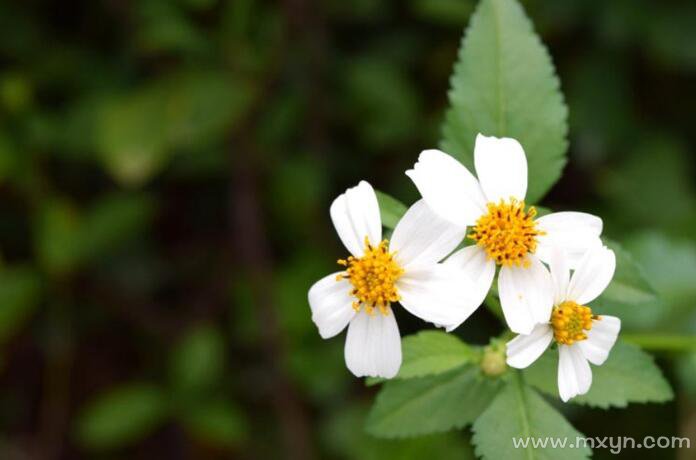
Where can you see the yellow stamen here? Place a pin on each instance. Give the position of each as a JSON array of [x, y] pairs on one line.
[[507, 232], [373, 277], [571, 322]]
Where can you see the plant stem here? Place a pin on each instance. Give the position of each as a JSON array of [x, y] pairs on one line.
[[662, 342]]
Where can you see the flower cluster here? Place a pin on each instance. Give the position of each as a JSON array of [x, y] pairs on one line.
[[420, 268]]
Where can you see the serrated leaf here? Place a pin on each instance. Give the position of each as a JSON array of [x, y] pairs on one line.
[[391, 210], [121, 416], [629, 284], [432, 352], [504, 84], [431, 404], [519, 414], [628, 376], [344, 436]]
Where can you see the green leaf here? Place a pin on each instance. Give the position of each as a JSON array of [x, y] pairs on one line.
[[57, 238], [121, 416], [67, 238], [113, 221], [198, 360], [390, 209], [218, 423], [629, 284], [443, 12], [381, 95], [138, 132], [504, 84], [131, 137], [344, 436], [431, 404], [433, 352], [19, 296], [519, 413], [628, 376]]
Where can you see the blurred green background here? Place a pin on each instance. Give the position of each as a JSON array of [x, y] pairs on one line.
[[166, 169]]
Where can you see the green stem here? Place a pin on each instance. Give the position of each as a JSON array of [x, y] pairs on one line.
[[662, 342]]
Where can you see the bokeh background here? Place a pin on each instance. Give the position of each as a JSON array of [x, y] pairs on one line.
[[166, 169]]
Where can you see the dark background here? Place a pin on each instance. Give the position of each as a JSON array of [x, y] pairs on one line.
[[166, 169]]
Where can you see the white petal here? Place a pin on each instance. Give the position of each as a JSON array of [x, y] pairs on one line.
[[574, 373], [355, 215], [448, 187], [526, 295], [472, 260], [574, 232], [593, 275], [422, 237], [373, 345], [560, 274], [501, 167], [438, 294], [331, 305], [523, 350], [600, 339]]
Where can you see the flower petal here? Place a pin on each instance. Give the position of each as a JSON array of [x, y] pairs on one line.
[[574, 232], [355, 215], [526, 295], [560, 274], [593, 275], [373, 345], [523, 350], [448, 187], [472, 260], [331, 305], [501, 167], [574, 373], [438, 294], [422, 237], [600, 339]]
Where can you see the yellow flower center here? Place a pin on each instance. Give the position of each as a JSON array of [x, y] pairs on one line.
[[507, 232], [571, 321], [373, 277]]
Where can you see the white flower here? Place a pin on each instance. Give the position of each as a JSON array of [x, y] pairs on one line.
[[380, 272], [581, 336], [505, 231]]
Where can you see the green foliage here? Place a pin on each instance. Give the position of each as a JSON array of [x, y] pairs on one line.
[[165, 174], [198, 360], [121, 416], [345, 436], [504, 84], [433, 352], [218, 423], [629, 284], [519, 412], [670, 266], [431, 404], [381, 95], [628, 376], [391, 209], [20, 290], [447, 12], [429, 353], [67, 238], [138, 132]]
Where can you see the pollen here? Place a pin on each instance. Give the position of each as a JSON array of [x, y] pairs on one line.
[[507, 233], [373, 277], [571, 322]]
